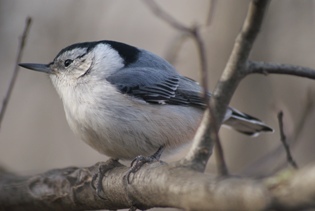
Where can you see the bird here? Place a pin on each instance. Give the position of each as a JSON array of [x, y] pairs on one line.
[[125, 101]]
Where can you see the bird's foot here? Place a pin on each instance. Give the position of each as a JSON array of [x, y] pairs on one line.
[[140, 160], [97, 178]]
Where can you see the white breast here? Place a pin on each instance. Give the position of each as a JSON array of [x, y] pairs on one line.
[[121, 127]]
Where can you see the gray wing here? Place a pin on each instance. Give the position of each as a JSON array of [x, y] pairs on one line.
[[157, 87]]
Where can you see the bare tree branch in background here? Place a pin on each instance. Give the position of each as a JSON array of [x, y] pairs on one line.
[[16, 68], [292, 140], [176, 43], [174, 47], [166, 17], [211, 11], [273, 68], [284, 141]]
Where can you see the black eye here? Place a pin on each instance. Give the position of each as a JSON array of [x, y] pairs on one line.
[[68, 62]]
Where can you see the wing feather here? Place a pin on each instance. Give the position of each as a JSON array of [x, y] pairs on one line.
[[157, 87]]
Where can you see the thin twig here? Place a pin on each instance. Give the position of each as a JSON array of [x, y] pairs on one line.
[[211, 10], [284, 141], [203, 62], [156, 9], [274, 68], [174, 47], [292, 140], [16, 69], [214, 133], [180, 39], [213, 126]]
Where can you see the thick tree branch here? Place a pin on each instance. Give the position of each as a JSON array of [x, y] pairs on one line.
[[235, 68], [231, 76], [156, 185], [16, 68]]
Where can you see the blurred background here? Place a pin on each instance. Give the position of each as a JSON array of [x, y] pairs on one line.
[[34, 134]]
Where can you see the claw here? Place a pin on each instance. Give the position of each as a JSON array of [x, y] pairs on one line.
[[98, 177], [140, 160]]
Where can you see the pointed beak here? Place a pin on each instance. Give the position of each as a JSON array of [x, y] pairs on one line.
[[37, 67]]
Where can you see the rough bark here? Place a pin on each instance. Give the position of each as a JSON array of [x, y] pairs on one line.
[[156, 185]]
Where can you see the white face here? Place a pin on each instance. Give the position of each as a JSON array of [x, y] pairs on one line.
[[77, 65], [72, 64], [79, 70]]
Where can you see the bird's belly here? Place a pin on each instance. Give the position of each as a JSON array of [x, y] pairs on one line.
[[137, 130]]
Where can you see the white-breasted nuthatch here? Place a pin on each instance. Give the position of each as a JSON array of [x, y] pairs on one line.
[[124, 101]]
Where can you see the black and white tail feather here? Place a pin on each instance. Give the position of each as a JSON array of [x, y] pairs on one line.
[[245, 123]]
